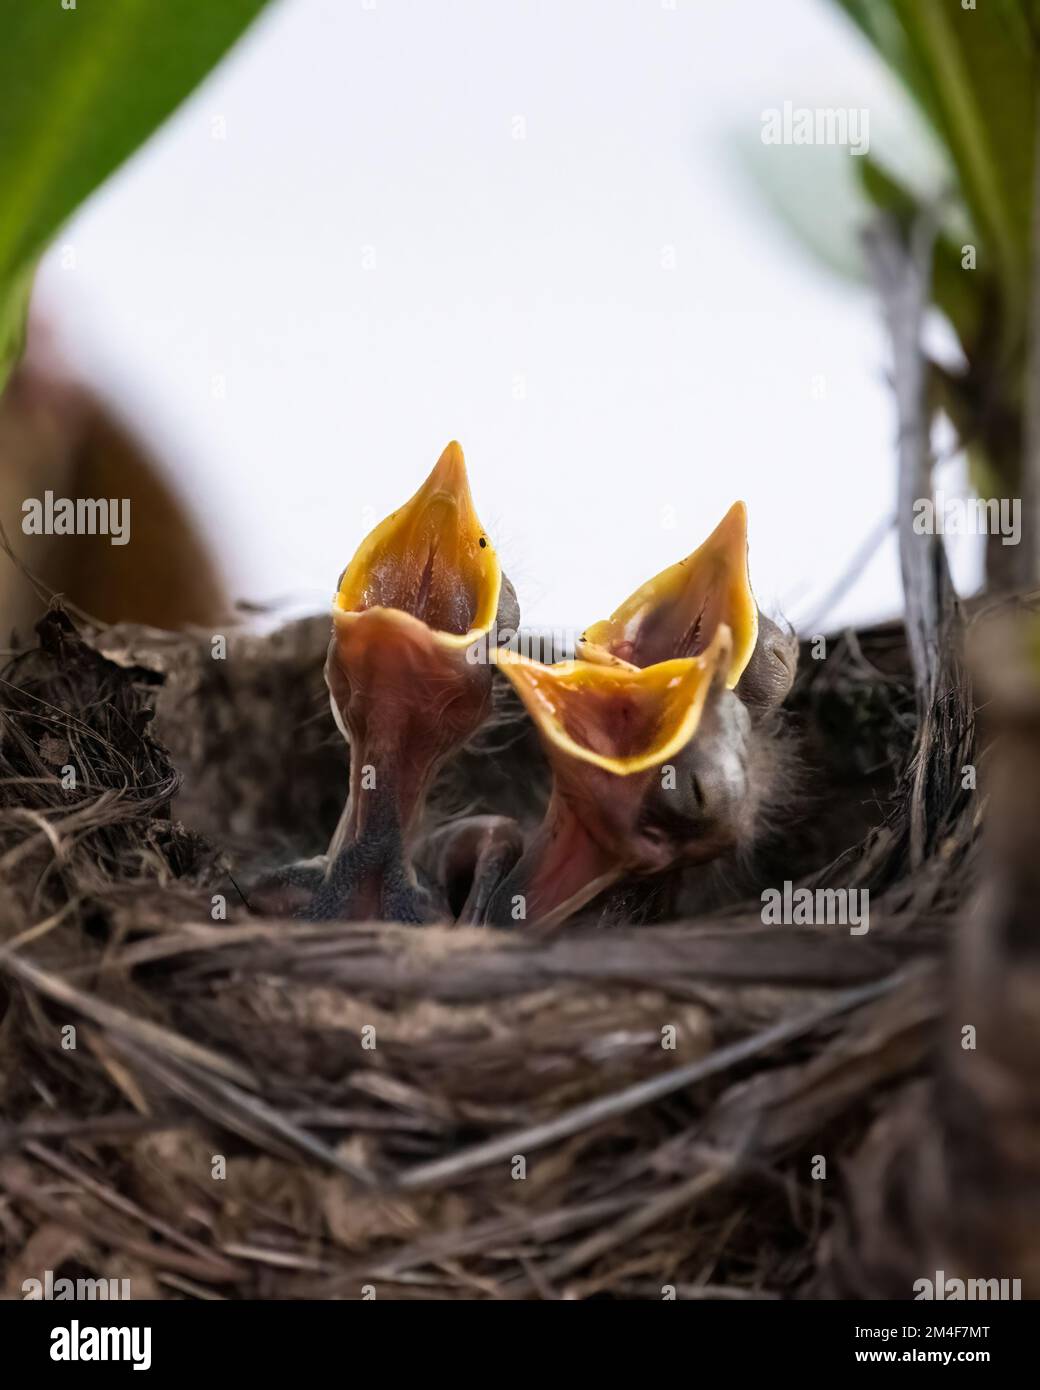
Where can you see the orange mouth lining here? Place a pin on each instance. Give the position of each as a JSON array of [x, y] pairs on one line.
[[618, 718], [678, 613], [431, 559]]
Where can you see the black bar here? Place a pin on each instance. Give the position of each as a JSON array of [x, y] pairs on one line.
[[727, 1335]]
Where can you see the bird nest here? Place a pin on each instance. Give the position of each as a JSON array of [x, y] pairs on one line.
[[215, 1104]]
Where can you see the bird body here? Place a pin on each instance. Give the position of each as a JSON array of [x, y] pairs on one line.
[[411, 608]]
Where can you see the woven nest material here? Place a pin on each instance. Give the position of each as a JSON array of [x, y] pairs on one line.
[[255, 1108]]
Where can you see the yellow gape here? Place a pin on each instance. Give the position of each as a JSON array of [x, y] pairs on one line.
[[615, 716], [678, 612], [430, 561]]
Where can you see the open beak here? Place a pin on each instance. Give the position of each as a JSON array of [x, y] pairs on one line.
[[678, 613], [613, 734], [430, 560], [406, 678]]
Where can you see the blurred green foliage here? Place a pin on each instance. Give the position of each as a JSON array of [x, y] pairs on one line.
[[965, 158], [972, 73], [80, 89]]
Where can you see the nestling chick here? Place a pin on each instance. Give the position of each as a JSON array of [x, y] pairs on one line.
[[635, 790], [638, 792], [411, 612]]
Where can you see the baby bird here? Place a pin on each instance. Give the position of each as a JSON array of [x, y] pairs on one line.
[[636, 788], [650, 733], [409, 681]]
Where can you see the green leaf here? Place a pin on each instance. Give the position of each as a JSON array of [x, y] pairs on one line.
[[973, 73], [14, 311], [814, 193], [982, 69], [80, 89], [826, 196]]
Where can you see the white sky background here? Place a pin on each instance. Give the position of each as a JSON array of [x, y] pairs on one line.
[[651, 397]]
